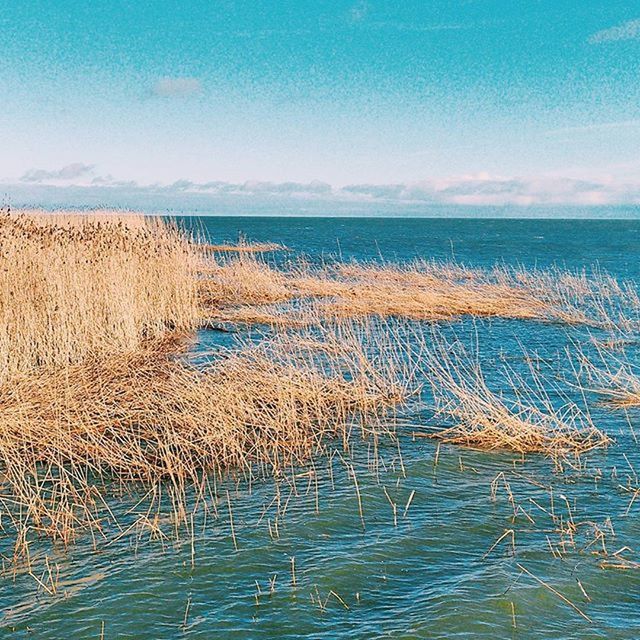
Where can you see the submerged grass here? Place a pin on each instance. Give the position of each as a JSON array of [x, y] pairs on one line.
[[521, 418], [613, 376]]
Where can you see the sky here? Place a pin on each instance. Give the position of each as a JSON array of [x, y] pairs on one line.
[[466, 102]]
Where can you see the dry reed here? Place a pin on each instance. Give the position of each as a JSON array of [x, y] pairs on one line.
[[612, 376], [149, 418], [242, 280], [525, 421], [244, 247], [93, 388], [73, 287], [421, 290]]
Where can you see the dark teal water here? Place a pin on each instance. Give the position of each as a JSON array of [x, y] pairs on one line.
[[426, 574], [612, 244]]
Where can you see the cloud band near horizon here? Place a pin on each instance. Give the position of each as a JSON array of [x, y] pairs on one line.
[[472, 190]]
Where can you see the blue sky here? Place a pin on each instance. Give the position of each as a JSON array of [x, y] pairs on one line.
[[457, 101]]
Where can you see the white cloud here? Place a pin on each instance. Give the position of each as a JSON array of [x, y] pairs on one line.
[[177, 87], [480, 189], [66, 173], [626, 31], [484, 189]]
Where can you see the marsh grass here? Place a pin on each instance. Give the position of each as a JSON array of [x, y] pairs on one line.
[[422, 290], [241, 280], [244, 247], [151, 418], [97, 391], [522, 417], [609, 372], [73, 287]]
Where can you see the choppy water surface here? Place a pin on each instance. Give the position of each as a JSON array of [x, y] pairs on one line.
[[427, 572]]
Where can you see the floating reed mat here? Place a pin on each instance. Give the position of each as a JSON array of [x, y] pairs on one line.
[[420, 290]]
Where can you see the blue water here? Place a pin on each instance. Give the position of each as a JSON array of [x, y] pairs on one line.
[[614, 245], [425, 575]]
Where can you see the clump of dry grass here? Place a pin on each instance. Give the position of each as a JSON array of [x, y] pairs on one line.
[[591, 298], [151, 418], [424, 290], [524, 419], [78, 286], [612, 376], [248, 314], [244, 247], [435, 291], [241, 280]]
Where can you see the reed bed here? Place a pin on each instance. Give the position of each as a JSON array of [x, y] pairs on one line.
[[73, 287], [103, 398], [521, 418], [423, 290], [431, 290], [96, 390], [150, 418]]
